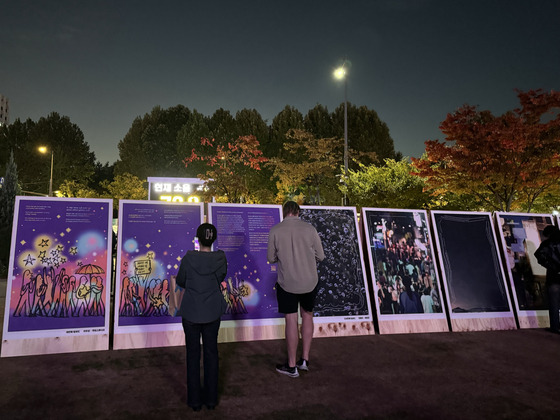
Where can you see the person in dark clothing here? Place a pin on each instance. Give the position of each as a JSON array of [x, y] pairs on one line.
[[202, 306], [548, 255], [410, 302]]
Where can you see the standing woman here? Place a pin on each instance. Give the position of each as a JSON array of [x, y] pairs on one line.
[[200, 274]]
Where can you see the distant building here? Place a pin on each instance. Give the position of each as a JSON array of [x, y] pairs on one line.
[[4, 110]]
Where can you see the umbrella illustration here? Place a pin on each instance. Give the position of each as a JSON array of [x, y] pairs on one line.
[[90, 269]]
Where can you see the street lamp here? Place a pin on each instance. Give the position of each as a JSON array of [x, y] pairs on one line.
[[44, 150], [340, 74]]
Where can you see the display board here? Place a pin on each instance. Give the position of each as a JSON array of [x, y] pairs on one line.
[[58, 286], [400, 249], [343, 305], [249, 286], [471, 267], [152, 239], [521, 235]]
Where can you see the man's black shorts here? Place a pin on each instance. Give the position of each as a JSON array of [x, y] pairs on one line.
[[288, 302]]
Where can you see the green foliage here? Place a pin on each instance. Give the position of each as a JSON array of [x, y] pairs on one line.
[[72, 156], [126, 187], [150, 146], [391, 185], [10, 189], [308, 168], [77, 189]]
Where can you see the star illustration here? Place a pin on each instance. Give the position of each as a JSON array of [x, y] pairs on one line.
[[54, 252], [73, 250], [148, 246], [29, 260], [42, 254], [80, 263], [44, 242], [23, 242], [150, 255], [60, 248], [125, 263], [123, 272], [68, 230]]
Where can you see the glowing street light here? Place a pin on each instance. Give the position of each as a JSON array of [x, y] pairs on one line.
[[45, 150], [340, 74]]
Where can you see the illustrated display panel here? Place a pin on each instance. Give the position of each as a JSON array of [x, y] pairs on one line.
[[521, 235], [60, 269], [153, 237], [471, 266], [343, 293], [249, 286], [401, 254]]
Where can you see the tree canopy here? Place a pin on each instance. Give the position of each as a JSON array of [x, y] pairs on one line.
[[506, 162]]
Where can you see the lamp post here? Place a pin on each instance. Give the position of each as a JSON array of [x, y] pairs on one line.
[[44, 150], [340, 74]]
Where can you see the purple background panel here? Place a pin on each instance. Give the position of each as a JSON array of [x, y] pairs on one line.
[[249, 286], [60, 265], [153, 239]]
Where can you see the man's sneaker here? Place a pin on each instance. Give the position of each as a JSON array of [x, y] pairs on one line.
[[284, 369], [302, 364]]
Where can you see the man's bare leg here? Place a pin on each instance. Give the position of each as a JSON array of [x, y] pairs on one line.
[[292, 337], [306, 332]]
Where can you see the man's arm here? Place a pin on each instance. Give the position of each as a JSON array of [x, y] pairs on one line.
[[271, 255], [318, 246]]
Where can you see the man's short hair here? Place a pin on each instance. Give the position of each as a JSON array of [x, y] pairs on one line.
[[206, 234], [290, 208]]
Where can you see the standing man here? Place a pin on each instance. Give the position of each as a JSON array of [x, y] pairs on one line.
[[548, 255], [296, 247]]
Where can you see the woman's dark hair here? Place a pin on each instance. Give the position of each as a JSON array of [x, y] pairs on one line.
[[551, 232], [290, 208], [206, 234]]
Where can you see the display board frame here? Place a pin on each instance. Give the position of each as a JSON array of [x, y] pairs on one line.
[[520, 275], [414, 235], [238, 325], [141, 296], [471, 319], [62, 248], [351, 323]]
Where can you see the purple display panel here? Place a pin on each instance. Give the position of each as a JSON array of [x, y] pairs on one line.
[[60, 268], [521, 235], [249, 287], [153, 237]]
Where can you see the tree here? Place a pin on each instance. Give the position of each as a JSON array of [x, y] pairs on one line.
[[319, 122], [507, 162], [366, 132], [8, 192], [150, 146], [72, 156], [126, 187], [76, 189], [391, 185], [229, 168], [287, 119], [308, 168]]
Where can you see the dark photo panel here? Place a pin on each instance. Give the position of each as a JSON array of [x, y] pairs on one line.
[[470, 262]]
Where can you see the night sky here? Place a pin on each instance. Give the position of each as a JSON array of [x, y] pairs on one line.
[[103, 63]]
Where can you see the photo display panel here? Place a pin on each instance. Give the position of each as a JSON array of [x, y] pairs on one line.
[[343, 293], [408, 294], [521, 235], [58, 289], [472, 270], [153, 238], [249, 286]]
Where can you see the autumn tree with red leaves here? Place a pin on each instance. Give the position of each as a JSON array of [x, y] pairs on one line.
[[506, 162], [231, 169]]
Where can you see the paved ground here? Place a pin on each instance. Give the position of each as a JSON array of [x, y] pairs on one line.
[[478, 375]]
